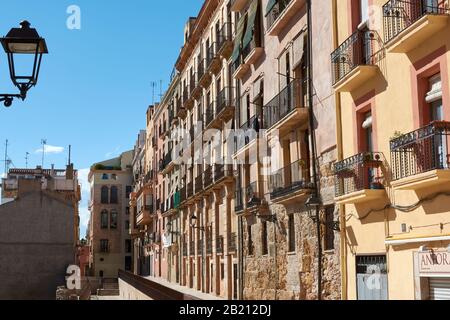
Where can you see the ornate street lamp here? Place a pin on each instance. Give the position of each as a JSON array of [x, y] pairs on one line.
[[193, 223], [19, 41]]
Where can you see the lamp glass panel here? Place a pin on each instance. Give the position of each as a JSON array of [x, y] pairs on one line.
[[24, 48]]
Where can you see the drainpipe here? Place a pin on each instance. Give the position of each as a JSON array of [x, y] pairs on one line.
[[241, 259], [314, 151], [340, 157]]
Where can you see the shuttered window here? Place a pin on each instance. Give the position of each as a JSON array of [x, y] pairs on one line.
[[298, 49], [251, 23], [238, 39], [440, 288]]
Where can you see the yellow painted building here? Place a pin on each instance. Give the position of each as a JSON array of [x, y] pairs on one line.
[[390, 72]]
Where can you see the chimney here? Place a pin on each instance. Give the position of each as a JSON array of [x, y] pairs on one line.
[[69, 172]]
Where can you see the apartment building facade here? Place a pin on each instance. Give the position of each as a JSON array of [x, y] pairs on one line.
[[39, 231], [221, 205], [390, 71], [109, 231]]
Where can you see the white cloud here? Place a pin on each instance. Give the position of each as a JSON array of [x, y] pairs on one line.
[[83, 180], [51, 149]]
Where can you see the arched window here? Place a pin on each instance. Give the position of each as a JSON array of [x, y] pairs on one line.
[[105, 176], [104, 219], [114, 195], [105, 195], [114, 219]]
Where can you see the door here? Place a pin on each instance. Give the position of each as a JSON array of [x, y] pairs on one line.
[[371, 278], [439, 288]]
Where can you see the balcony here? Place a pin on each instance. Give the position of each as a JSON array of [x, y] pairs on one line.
[[208, 177], [213, 60], [204, 77], [173, 119], [281, 13], [291, 184], [239, 68], [196, 89], [200, 246], [355, 62], [232, 242], [223, 173], [211, 119], [183, 195], [238, 5], [185, 251], [252, 52], [247, 135], [408, 24], [252, 196], [239, 201], [358, 179], [421, 159], [286, 111], [209, 246], [225, 107], [144, 210], [225, 41], [198, 184], [219, 245], [190, 190], [166, 164]]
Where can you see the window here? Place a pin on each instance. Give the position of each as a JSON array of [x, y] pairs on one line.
[[128, 191], [114, 177], [114, 219], [250, 246], [104, 219], [127, 211], [434, 98], [104, 195], [128, 246], [222, 271], [264, 242], [329, 228], [104, 246], [128, 263], [105, 176], [127, 224], [114, 195], [291, 233]]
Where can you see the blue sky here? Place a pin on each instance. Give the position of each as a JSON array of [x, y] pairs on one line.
[[95, 85]]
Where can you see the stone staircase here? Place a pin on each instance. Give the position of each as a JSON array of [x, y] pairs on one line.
[[110, 288]]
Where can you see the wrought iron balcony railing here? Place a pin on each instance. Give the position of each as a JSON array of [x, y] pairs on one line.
[[253, 198], [360, 49], [192, 248], [399, 15], [199, 184], [284, 103], [211, 54], [239, 200], [210, 115], [219, 245], [232, 242], [290, 179], [208, 177], [225, 98], [225, 34], [276, 11], [357, 173], [420, 151]]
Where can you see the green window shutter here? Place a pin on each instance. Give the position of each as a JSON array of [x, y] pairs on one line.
[[270, 6], [238, 39], [252, 11]]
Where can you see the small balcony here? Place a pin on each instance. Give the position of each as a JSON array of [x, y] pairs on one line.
[[355, 62], [239, 68], [225, 41], [199, 184], [190, 190], [173, 119], [421, 159], [225, 107], [223, 173], [213, 60], [209, 246], [359, 179], [219, 245], [408, 24], [211, 119], [166, 164], [248, 135], [144, 212], [238, 5], [204, 77], [232, 242], [208, 177], [196, 89], [281, 13], [291, 184], [286, 111], [239, 201]]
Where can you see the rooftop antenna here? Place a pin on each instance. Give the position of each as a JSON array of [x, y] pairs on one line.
[[160, 90], [153, 92], [43, 142], [70, 152], [26, 160], [6, 156]]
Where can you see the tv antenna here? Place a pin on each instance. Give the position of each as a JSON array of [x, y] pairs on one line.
[[26, 159], [44, 143]]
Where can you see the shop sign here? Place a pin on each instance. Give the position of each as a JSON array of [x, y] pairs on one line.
[[434, 262]]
